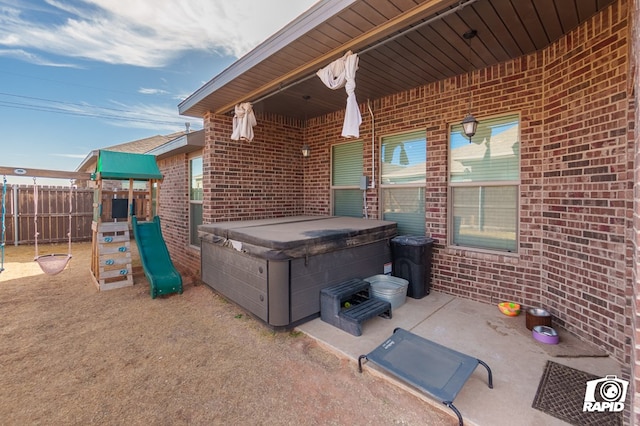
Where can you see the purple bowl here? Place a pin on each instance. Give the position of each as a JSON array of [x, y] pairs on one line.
[[545, 334]]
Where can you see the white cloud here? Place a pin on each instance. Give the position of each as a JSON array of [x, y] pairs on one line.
[[146, 33], [150, 91], [32, 58], [152, 116], [159, 118]]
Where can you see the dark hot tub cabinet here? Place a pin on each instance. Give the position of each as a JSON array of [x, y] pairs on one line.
[[275, 268]]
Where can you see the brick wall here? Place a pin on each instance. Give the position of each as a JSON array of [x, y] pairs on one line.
[[174, 215], [576, 186], [588, 181], [510, 87], [634, 67], [252, 180], [242, 180]]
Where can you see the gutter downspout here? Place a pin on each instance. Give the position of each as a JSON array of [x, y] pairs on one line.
[[373, 146]]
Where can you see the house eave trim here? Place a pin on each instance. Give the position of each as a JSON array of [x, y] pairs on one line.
[[315, 16]]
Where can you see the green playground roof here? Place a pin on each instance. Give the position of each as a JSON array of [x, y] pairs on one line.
[[124, 165]]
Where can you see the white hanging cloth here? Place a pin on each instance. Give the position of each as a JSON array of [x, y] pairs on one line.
[[243, 122], [342, 73]]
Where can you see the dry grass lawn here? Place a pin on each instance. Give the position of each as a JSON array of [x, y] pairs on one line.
[[72, 355]]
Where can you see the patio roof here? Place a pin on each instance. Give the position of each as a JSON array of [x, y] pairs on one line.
[[186, 143], [402, 44]]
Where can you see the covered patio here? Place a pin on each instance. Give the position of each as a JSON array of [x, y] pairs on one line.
[[479, 330], [563, 72]]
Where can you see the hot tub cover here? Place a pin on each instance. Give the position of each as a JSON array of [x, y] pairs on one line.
[[297, 236]]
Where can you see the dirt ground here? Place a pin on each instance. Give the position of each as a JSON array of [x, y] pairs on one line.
[[72, 355]]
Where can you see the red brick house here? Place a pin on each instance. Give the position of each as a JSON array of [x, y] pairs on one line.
[[540, 206]]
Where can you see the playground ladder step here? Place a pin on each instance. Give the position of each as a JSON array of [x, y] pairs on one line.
[[111, 255]]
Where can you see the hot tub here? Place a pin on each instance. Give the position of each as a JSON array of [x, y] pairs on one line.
[[275, 268]]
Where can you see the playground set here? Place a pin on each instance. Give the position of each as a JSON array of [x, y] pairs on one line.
[[111, 265]]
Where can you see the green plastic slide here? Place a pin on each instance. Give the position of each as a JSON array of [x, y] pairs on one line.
[[163, 277]]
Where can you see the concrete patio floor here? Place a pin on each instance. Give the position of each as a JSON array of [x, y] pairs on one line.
[[479, 330]]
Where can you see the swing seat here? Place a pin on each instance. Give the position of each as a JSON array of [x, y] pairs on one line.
[[52, 264]]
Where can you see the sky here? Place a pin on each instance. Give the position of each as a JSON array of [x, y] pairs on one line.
[[79, 75]]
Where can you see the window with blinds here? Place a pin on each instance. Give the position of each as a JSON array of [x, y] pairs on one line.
[[484, 181], [346, 172], [195, 198], [403, 175]]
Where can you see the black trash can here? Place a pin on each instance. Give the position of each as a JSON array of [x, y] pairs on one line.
[[412, 261]]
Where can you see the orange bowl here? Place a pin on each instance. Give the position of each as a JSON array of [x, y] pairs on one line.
[[510, 309]]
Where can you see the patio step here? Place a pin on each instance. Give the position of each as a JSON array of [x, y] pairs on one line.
[[349, 304]]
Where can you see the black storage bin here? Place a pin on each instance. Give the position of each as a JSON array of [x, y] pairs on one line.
[[412, 261]]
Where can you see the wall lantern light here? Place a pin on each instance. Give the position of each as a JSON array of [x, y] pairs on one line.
[[469, 123], [306, 151]]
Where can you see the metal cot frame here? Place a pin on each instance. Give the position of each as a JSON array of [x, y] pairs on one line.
[[432, 368]]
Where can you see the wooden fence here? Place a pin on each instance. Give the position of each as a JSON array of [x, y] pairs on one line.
[[53, 213]]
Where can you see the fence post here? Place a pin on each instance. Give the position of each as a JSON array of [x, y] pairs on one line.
[[14, 207]]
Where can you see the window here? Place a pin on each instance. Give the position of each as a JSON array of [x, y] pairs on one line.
[[484, 179], [346, 172], [195, 199], [403, 179]]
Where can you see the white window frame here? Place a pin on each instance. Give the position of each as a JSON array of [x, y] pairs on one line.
[[355, 186], [191, 158], [416, 185], [515, 183]]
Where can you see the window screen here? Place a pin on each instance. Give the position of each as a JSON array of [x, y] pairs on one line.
[[195, 199]]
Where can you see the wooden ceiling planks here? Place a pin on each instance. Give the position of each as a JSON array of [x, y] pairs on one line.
[[495, 25], [532, 23], [506, 29], [586, 8], [507, 12], [568, 15], [487, 46], [546, 9]]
